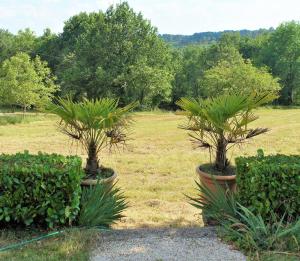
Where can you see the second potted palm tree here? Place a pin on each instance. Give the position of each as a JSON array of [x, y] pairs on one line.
[[96, 124], [218, 124]]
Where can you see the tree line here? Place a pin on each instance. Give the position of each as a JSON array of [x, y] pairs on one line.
[[206, 38], [119, 54]]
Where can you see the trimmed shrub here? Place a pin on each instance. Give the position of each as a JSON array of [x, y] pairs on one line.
[[41, 189], [270, 184]]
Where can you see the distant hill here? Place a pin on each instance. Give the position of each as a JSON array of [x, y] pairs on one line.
[[205, 38]]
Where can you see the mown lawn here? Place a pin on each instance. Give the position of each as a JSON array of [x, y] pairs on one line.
[[157, 167]]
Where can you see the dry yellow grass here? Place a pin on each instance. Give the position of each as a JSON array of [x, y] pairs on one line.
[[157, 167]]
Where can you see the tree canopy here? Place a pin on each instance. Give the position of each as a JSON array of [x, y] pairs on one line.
[[238, 77], [25, 82], [117, 53]]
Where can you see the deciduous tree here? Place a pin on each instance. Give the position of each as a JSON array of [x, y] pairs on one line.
[[25, 82]]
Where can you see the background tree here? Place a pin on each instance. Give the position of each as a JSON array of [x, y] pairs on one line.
[[119, 54], [106, 51], [10, 44], [282, 55], [25, 82], [6, 44], [194, 62], [49, 47], [191, 65], [150, 86], [238, 77]]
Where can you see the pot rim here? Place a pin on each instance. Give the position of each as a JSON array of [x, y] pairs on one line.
[[212, 176], [90, 181]]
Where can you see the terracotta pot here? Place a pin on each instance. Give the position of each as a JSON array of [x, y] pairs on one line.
[[210, 180], [109, 181]]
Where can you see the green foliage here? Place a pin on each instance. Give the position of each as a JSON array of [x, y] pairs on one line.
[[101, 205], [96, 124], [216, 206], [191, 65], [25, 82], [24, 41], [208, 38], [239, 225], [146, 85], [252, 233], [282, 54], [238, 77], [119, 54], [41, 189], [194, 61], [115, 54], [219, 123], [270, 184]]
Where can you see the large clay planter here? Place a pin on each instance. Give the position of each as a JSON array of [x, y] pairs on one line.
[[226, 182], [92, 182]]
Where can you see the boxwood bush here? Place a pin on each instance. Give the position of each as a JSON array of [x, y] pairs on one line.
[[42, 189], [270, 185]]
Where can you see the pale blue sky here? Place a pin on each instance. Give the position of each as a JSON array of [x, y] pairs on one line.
[[169, 16]]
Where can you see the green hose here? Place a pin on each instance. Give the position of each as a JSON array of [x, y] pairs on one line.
[[17, 245], [25, 242]]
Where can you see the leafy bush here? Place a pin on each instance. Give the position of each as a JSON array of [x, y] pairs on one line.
[[43, 189], [270, 184], [101, 205]]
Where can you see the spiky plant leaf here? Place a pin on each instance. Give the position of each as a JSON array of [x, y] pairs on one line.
[[217, 205], [101, 205]]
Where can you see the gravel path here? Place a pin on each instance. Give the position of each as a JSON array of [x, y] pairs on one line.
[[163, 245]]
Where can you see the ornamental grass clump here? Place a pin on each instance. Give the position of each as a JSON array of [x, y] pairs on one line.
[[101, 205]]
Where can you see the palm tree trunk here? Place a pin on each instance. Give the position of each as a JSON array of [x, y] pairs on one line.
[[92, 163], [221, 159]]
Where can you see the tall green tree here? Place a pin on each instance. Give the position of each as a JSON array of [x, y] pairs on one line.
[[106, 53], [25, 82], [10, 44], [282, 55], [6, 44], [49, 47], [194, 62]]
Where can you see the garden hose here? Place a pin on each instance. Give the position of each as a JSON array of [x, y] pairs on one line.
[[22, 243], [35, 239]]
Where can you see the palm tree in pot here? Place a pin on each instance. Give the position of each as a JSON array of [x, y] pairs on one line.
[[218, 124], [96, 124]]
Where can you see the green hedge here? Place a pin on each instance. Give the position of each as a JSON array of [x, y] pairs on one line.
[[41, 189], [270, 184]]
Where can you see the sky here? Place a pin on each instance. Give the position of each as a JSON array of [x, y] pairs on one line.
[[169, 16]]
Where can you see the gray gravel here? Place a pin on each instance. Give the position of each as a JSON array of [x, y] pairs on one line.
[[163, 245]]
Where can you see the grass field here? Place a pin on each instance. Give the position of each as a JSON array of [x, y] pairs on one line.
[[157, 167]]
